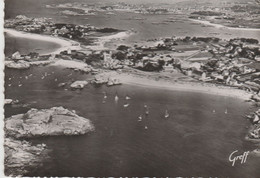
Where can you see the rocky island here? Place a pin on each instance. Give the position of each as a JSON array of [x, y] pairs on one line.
[[47, 122]]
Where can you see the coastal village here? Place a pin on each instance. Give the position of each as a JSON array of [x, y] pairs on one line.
[[233, 63]]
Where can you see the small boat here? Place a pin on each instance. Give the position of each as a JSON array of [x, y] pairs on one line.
[[213, 111], [56, 80], [26, 77], [147, 111], [140, 118], [20, 85], [104, 101], [145, 127], [226, 111], [127, 97], [10, 78], [105, 95], [126, 105], [116, 98], [166, 115], [10, 85], [42, 77]]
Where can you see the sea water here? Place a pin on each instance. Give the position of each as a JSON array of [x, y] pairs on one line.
[[193, 141]]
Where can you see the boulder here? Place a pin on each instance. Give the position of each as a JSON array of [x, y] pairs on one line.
[[61, 84], [47, 122], [21, 64], [113, 81], [21, 154], [78, 84], [256, 98], [106, 78], [8, 101]]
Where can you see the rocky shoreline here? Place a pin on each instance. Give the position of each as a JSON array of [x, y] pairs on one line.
[[56, 121], [20, 155]]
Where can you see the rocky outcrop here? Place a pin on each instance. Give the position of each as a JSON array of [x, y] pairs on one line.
[[254, 133], [10, 101], [113, 81], [47, 122], [256, 98], [78, 84], [21, 154], [108, 78], [74, 64], [61, 84], [101, 78], [21, 64]]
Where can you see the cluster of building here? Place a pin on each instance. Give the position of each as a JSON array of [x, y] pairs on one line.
[[233, 63], [242, 15]]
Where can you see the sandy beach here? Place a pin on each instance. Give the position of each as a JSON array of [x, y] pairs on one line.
[[204, 22], [101, 42], [63, 43], [186, 86]]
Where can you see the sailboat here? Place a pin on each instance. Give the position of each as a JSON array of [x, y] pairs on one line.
[[105, 95], [126, 105], [140, 118], [127, 97], [226, 111], [147, 111], [116, 98], [166, 115]]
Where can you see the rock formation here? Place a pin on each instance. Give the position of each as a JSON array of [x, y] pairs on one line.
[[78, 84], [108, 78], [21, 154], [21, 64], [47, 122]]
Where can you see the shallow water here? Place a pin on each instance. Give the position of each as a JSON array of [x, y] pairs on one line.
[[25, 46], [194, 141]]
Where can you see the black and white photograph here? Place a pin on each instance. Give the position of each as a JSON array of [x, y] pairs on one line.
[[131, 88]]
